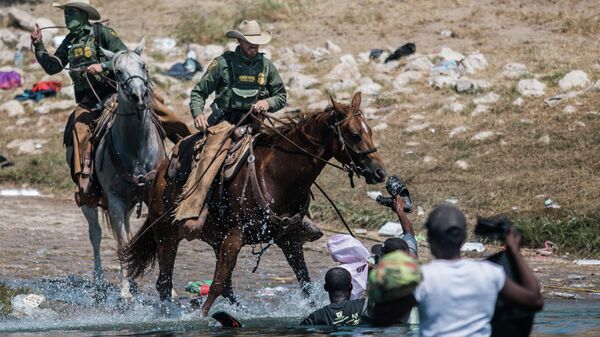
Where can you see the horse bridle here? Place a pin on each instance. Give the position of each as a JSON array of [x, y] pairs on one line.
[[349, 148], [126, 84]]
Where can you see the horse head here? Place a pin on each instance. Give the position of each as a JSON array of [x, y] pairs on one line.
[[131, 75], [353, 144]]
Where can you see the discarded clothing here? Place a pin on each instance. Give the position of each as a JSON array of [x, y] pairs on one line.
[[405, 50], [9, 80], [43, 86], [4, 162], [353, 257], [185, 70], [40, 91], [199, 287], [375, 53]]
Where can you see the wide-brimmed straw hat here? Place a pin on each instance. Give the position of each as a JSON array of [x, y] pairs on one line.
[[249, 31], [84, 5]]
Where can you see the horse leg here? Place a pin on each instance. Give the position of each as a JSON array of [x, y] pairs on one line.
[[226, 260], [293, 252], [167, 252], [95, 232], [228, 288], [118, 214]]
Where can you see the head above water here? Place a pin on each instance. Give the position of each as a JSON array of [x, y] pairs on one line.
[[354, 140], [390, 245], [446, 231], [338, 283]]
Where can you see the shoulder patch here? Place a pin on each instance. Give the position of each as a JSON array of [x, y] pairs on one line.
[[212, 65], [112, 31]]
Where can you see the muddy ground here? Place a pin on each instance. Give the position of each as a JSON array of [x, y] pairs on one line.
[[48, 237]]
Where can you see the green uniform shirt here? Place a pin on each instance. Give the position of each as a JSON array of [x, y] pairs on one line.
[[249, 75], [81, 51]]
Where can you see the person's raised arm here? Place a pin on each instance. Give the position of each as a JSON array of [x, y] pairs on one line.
[[407, 226], [528, 294]]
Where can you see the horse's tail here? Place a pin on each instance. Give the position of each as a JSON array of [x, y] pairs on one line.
[[141, 251]]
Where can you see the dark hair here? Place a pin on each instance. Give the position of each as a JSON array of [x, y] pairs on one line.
[[338, 279], [447, 243]]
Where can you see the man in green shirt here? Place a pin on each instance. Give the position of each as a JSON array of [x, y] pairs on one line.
[[241, 80], [91, 73]]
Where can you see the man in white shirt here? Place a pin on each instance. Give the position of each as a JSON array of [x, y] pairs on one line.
[[457, 295]]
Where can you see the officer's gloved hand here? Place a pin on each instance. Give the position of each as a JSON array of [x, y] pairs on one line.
[[261, 106]]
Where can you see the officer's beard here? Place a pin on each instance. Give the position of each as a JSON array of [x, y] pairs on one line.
[[76, 21]]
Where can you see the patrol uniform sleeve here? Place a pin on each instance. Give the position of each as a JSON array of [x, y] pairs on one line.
[[51, 64], [112, 43], [208, 84], [277, 93]]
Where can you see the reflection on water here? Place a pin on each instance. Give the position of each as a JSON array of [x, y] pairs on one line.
[[74, 312]]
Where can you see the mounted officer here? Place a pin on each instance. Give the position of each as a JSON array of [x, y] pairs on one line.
[[242, 80], [91, 73]]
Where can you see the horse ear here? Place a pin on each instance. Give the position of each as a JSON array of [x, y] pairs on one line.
[[336, 105], [356, 101], [140, 47], [107, 53]]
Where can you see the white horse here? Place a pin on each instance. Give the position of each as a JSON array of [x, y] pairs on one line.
[[127, 156]]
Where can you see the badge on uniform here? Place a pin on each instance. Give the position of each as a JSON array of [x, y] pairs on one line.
[[78, 52], [261, 79], [87, 52]]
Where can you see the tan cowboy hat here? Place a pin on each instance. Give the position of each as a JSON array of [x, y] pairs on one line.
[[249, 31], [84, 5]]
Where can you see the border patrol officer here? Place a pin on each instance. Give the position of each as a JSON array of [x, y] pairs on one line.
[[238, 78], [91, 74]]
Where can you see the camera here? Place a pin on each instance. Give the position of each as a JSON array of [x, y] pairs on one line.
[[495, 228], [395, 188]]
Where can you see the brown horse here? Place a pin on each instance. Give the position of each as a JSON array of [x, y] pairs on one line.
[[284, 175]]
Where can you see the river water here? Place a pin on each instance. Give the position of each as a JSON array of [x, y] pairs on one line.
[[73, 311]]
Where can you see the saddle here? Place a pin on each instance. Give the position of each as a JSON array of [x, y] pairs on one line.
[[199, 159]]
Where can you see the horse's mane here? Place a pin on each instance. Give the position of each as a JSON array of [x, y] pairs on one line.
[[298, 122]]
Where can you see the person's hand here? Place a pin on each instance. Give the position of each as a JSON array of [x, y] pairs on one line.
[[261, 106], [36, 35], [398, 204], [201, 122], [513, 240], [94, 69]]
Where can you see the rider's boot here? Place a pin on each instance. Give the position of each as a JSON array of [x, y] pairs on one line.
[[86, 172], [309, 232]]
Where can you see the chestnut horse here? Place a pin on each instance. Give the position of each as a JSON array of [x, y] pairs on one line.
[[286, 162]]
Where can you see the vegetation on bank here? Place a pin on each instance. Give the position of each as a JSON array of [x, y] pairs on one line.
[[6, 293]]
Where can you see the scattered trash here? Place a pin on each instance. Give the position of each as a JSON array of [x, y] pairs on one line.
[[164, 45], [19, 193], [391, 228], [375, 53], [453, 201], [576, 277], [185, 70], [361, 231], [444, 67], [473, 247], [18, 59], [9, 80], [199, 287], [374, 194], [405, 50], [549, 203], [566, 295], [4, 162], [587, 262], [40, 91], [549, 248], [420, 211], [447, 33]]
